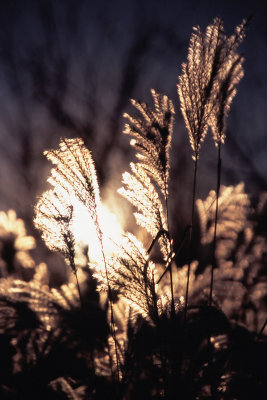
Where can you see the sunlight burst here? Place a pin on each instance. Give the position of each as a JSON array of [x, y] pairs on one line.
[[85, 233]]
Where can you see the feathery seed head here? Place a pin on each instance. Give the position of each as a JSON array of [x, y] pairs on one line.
[[74, 181], [54, 219], [152, 134], [207, 84]]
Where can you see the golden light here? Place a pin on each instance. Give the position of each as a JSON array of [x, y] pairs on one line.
[[85, 233]]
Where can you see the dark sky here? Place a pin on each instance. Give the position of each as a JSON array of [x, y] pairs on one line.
[[68, 68]]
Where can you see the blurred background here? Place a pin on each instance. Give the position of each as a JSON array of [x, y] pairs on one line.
[[68, 69]]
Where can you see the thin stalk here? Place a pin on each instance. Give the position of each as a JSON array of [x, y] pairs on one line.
[[172, 294], [219, 169], [82, 306], [181, 244], [112, 321], [68, 239], [159, 234], [170, 265], [263, 327], [173, 330], [191, 234], [78, 286]]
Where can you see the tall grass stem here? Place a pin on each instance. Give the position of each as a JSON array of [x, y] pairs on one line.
[[219, 170], [191, 235], [112, 321]]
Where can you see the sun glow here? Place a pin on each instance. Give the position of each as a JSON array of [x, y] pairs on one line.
[[85, 232]]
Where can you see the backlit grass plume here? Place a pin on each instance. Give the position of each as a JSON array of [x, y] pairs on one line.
[[148, 179], [152, 137], [232, 214], [75, 173], [54, 218], [45, 302], [140, 191], [207, 84], [75, 182], [229, 73], [15, 244], [133, 276], [74, 179], [206, 89], [148, 182]]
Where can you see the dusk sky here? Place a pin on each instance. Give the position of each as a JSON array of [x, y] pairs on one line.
[[69, 69]]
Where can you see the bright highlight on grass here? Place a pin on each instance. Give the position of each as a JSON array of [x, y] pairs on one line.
[[85, 233]]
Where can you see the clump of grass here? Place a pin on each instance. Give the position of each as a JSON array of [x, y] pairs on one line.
[[206, 89]]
